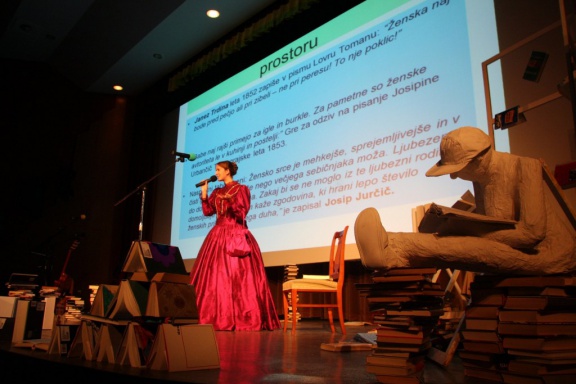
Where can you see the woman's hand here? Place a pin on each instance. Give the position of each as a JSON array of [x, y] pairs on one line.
[[204, 189]]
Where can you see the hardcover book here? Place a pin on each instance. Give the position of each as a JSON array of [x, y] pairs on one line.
[[380, 351], [483, 346], [401, 347], [391, 361], [109, 343], [545, 378], [481, 324], [398, 278], [452, 221], [477, 356], [541, 291], [87, 338], [184, 348], [537, 281], [492, 297], [416, 332], [484, 374], [346, 346], [149, 257], [396, 371], [539, 302], [171, 300], [411, 271], [424, 312], [394, 321], [554, 357], [76, 348], [91, 341], [472, 335], [388, 299], [482, 312], [539, 344], [531, 368], [136, 344], [161, 276], [62, 338], [536, 329], [524, 316], [131, 300], [104, 320], [392, 379], [103, 300], [514, 281]]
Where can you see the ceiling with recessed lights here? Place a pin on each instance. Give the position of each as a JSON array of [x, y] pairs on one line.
[[97, 44]]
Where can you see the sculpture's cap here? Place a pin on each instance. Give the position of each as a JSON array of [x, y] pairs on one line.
[[458, 148]]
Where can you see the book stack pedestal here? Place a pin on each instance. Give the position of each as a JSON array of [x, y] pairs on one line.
[[521, 329], [406, 306], [291, 273]]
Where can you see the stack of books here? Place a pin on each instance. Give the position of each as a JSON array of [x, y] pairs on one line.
[[74, 308], [538, 326], [93, 289], [406, 306], [290, 273], [446, 336], [482, 353], [447, 326], [528, 331]]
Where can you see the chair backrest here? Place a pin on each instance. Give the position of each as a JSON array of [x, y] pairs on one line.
[[337, 252]]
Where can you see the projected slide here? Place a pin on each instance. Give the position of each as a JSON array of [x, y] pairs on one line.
[[347, 117]]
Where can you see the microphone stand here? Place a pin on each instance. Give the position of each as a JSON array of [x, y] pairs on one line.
[[142, 187]]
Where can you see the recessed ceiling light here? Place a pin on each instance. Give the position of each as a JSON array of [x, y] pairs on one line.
[[213, 13], [118, 87]]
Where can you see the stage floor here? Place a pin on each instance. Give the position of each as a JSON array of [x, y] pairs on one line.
[[245, 357]]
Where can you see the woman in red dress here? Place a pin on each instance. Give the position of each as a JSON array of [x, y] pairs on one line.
[[232, 292]]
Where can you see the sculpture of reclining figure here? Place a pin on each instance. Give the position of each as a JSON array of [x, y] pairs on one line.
[[506, 186]]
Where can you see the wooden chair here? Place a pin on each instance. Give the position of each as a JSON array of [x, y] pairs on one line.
[[331, 285]]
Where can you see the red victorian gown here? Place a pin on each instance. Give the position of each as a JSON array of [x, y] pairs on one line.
[[232, 292]]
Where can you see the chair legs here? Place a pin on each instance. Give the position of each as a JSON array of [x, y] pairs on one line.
[[287, 304], [294, 304], [340, 313], [331, 320], [341, 319], [286, 311]]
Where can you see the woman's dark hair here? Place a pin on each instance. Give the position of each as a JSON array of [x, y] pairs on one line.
[[229, 165]]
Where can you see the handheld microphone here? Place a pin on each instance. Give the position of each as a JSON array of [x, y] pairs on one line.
[[212, 178], [187, 156]]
